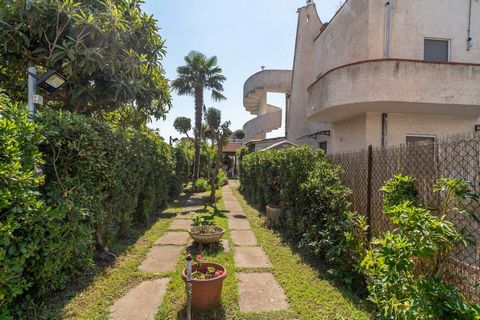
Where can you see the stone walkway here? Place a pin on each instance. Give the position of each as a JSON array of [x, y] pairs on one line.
[[258, 291], [143, 301]]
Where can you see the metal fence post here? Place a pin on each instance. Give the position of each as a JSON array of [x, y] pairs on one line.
[[369, 192]]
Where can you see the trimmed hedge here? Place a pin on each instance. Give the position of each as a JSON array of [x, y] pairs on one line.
[[309, 190], [99, 179]]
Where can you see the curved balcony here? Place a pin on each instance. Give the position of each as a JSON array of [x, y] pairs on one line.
[[262, 124], [395, 85]]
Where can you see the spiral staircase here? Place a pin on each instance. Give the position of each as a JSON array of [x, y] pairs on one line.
[[255, 89]]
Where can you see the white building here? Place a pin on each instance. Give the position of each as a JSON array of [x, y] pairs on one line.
[[379, 73]]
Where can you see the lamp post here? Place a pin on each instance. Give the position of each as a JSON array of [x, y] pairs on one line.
[[50, 81], [32, 90]]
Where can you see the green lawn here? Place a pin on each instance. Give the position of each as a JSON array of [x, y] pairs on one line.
[[310, 294]]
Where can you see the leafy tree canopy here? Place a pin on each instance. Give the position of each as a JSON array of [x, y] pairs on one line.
[[239, 134], [109, 51], [183, 125]]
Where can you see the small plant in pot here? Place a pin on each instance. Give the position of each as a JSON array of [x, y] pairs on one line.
[[207, 283], [204, 232], [274, 208]]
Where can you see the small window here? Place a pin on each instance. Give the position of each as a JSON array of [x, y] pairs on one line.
[[436, 50], [323, 145], [419, 140]]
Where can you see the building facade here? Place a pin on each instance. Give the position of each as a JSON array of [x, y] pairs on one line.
[[380, 73]]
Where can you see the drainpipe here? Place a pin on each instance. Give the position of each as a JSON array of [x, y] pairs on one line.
[[469, 31], [388, 20], [384, 129]]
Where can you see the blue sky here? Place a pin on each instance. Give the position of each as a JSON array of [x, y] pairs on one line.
[[243, 34]]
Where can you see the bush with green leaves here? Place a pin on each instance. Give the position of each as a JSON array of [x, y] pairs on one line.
[[405, 266], [23, 215], [184, 153], [70, 186], [222, 178], [201, 185], [308, 188]]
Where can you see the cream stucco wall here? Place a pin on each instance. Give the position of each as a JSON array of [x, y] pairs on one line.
[[309, 25], [345, 39], [414, 20], [401, 124], [348, 135], [359, 132]]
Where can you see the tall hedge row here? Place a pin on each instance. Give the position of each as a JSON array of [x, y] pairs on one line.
[[70, 186], [308, 188]]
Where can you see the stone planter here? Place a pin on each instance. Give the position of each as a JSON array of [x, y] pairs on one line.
[[274, 215], [206, 238], [206, 293]]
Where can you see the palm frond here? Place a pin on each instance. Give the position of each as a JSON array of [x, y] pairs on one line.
[[217, 96]]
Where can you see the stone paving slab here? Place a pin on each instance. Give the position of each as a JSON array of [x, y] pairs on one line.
[[260, 292], [251, 257], [227, 196], [161, 259], [172, 237], [180, 224], [238, 224], [141, 302], [232, 206], [193, 208], [185, 215], [243, 238]]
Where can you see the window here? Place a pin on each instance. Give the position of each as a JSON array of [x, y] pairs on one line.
[[436, 50], [323, 145], [419, 140]]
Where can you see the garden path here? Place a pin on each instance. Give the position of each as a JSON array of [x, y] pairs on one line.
[[258, 289], [143, 301]]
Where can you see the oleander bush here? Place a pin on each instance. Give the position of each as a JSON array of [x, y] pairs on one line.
[[308, 188], [70, 186]]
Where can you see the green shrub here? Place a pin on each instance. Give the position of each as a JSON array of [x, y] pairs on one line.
[[99, 179], [405, 267], [23, 215], [308, 188], [201, 185], [184, 154], [222, 178]]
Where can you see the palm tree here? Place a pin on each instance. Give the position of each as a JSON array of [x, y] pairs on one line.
[[198, 74]]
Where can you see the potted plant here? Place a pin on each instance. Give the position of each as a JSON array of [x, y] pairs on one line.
[[207, 283], [274, 208], [204, 232]]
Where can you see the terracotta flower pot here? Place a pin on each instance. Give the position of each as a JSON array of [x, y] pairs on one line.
[[206, 293], [206, 238]]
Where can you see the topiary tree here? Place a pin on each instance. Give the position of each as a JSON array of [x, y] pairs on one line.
[[221, 132], [109, 51], [239, 134], [183, 125]]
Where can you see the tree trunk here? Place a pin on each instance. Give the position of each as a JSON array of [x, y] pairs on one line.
[[198, 131], [213, 180]]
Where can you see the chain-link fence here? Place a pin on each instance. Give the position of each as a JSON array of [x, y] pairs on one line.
[[457, 157]]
